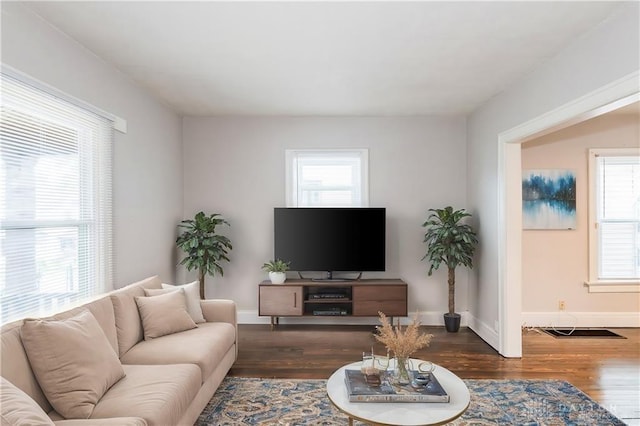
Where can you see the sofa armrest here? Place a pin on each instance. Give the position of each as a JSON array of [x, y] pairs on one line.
[[219, 310], [115, 421]]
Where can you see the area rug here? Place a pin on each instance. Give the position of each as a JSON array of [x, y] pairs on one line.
[[250, 401]]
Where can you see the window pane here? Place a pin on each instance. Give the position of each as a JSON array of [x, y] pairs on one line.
[[39, 267], [327, 178], [619, 250], [41, 259], [55, 202], [618, 211], [57, 187], [327, 198], [619, 187], [327, 175]]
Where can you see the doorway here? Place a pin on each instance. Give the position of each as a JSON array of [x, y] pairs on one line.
[[613, 96]]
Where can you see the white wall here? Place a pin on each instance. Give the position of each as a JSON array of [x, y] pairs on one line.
[[147, 159], [605, 54], [236, 167]]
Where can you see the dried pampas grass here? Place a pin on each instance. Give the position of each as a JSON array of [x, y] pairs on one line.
[[401, 342]]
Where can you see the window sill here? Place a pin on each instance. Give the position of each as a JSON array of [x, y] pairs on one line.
[[626, 286]]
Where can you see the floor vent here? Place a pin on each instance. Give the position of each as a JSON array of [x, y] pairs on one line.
[[570, 333]]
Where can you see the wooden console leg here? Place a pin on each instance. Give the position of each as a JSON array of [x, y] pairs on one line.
[[274, 321]]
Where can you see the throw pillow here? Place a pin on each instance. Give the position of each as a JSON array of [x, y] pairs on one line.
[[73, 362], [192, 292], [164, 314], [192, 298], [18, 409]]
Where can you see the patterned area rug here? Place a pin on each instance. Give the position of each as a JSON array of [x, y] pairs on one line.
[[249, 401]]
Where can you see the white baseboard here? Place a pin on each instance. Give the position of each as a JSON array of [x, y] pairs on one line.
[[426, 318], [580, 319], [486, 333], [436, 318], [251, 317]]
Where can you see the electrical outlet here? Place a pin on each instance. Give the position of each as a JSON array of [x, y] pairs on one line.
[[561, 305]]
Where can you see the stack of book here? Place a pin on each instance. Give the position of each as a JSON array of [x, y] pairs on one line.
[[429, 389]]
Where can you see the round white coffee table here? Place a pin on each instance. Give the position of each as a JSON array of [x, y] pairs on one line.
[[401, 413]]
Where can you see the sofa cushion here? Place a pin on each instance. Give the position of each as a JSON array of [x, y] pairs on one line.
[[102, 310], [72, 360], [15, 366], [157, 291], [17, 409], [204, 346], [14, 363], [158, 394], [192, 293], [128, 325], [164, 314]]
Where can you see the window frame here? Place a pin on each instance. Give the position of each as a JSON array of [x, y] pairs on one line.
[[95, 188], [291, 185], [594, 283]]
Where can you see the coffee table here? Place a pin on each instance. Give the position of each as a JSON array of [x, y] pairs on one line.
[[401, 413]]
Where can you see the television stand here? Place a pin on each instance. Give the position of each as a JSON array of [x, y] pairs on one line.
[[308, 298]]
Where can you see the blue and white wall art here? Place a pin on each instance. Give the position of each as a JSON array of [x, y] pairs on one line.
[[548, 199]]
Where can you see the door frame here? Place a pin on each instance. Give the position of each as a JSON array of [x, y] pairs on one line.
[[610, 97]]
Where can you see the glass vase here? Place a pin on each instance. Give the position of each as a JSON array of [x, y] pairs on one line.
[[402, 371]]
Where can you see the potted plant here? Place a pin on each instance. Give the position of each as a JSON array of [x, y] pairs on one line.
[[205, 250], [277, 269], [453, 243]]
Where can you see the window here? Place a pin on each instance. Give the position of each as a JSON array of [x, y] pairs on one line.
[[614, 234], [55, 201], [327, 178]]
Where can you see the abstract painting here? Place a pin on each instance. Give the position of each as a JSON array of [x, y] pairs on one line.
[[549, 199]]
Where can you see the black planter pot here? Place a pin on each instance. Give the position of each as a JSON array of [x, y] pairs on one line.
[[452, 322]]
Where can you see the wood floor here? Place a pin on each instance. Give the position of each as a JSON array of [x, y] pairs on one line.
[[608, 370]]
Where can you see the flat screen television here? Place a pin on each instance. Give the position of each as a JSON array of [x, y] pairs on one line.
[[331, 239]]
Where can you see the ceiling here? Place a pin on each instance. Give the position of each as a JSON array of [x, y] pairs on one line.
[[325, 58]]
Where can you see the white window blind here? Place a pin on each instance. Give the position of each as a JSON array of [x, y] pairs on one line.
[[327, 178], [617, 196], [55, 202]]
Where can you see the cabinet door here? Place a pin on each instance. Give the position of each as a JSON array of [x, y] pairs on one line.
[[280, 300], [390, 299]]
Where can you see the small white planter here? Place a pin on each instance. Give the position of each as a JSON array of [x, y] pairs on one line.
[[277, 277]]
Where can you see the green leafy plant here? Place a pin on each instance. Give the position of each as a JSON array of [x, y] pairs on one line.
[[450, 242], [276, 265], [205, 250]]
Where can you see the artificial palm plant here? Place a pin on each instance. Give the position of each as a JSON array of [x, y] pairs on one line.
[[453, 243], [205, 250]]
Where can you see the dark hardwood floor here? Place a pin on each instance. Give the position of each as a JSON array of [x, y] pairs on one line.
[[608, 370]]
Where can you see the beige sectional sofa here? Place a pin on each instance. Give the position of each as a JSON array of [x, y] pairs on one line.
[[166, 380]]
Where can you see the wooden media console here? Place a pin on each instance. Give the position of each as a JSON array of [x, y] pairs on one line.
[[360, 298]]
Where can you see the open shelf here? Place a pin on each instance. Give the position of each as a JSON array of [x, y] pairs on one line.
[[329, 301], [359, 298]]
